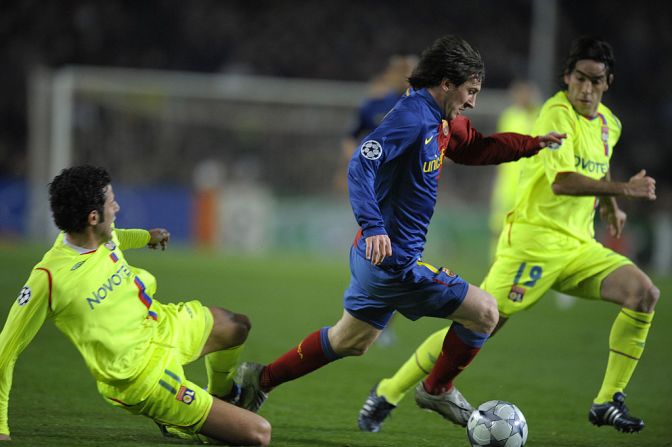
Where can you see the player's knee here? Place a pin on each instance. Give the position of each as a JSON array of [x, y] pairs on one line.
[[489, 315], [358, 350], [240, 329], [350, 348], [651, 298], [642, 297], [229, 328], [262, 433]]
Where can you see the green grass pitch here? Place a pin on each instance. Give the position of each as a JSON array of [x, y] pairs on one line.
[[548, 361]]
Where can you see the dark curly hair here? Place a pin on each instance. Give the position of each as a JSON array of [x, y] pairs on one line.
[[449, 57], [593, 48], [74, 193]]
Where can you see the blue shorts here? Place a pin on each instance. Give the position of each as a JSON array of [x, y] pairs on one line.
[[417, 290]]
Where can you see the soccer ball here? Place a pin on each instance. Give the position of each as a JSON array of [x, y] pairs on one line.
[[497, 423]]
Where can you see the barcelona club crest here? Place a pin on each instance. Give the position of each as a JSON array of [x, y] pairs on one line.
[[448, 272], [516, 294]]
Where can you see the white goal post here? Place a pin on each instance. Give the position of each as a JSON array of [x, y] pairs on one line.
[[154, 126]]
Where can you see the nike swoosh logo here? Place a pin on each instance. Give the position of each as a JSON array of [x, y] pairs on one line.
[[427, 140]]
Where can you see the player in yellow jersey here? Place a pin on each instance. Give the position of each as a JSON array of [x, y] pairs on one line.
[[134, 346], [548, 240]]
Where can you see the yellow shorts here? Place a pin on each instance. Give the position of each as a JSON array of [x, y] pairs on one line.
[[161, 391], [532, 259]]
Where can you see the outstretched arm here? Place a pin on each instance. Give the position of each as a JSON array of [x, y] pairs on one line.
[[470, 147], [136, 238], [23, 322], [640, 186]]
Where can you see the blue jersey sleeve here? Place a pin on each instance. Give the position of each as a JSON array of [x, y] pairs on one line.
[[396, 134]]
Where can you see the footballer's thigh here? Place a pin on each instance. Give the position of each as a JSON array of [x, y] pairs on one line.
[[236, 426], [518, 283], [601, 273]]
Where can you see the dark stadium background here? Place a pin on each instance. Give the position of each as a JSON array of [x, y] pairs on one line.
[[550, 362], [332, 40]]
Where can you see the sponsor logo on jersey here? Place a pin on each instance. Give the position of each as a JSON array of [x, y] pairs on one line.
[[78, 265], [516, 294], [427, 140], [24, 296], [185, 395], [591, 165], [371, 150], [108, 286], [432, 165]]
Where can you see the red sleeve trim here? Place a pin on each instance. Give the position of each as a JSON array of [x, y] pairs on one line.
[[358, 236], [50, 284]]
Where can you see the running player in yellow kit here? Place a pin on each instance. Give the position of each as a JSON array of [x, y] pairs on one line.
[[133, 345], [548, 240]]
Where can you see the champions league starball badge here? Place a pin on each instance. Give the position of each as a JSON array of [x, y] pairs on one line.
[[24, 296], [371, 150]]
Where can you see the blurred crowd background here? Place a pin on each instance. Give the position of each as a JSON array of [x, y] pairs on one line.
[[343, 41]]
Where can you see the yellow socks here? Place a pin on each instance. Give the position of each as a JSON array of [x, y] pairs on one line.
[[415, 369], [626, 344], [221, 367]]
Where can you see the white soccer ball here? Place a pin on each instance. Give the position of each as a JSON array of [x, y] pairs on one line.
[[497, 423]]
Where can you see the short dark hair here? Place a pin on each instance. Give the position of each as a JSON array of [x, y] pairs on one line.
[[593, 48], [74, 193], [449, 57]]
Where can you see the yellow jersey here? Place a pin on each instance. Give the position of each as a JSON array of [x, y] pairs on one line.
[[100, 302], [587, 150]]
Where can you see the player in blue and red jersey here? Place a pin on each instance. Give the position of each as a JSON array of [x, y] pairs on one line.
[[393, 180]]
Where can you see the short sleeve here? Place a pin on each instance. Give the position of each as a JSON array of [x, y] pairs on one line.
[[557, 118]]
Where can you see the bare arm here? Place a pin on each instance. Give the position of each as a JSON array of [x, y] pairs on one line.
[[639, 186]]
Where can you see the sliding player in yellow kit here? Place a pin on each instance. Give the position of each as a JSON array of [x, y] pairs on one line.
[[548, 240], [134, 346]]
